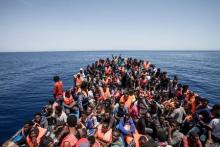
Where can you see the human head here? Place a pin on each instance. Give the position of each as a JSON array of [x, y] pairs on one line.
[[27, 126], [121, 105], [104, 127], [83, 85], [173, 124], [58, 110], [56, 78], [89, 110], [115, 135], [83, 133], [193, 136], [67, 94], [46, 141], [216, 110], [107, 113], [142, 141], [91, 140], [37, 117], [83, 116], [204, 102], [127, 116], [147, 117], [51, 101], [72, 120], [99, 109], [33, 134]]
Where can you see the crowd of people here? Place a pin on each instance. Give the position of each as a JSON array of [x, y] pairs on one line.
[[123, 102]]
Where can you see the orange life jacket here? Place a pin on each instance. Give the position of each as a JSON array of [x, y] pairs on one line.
[[107, 137], [68, 100], [42, 131], [58, 89], [69, 138], [106, 94]]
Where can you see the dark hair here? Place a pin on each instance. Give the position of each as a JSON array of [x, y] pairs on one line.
[[59, 109], [204, 100], [56, 78], [45, 141], [51, 101], [72, 120], [35, 130], [83, 85], [91, 140], [29, 122], [38, 113]]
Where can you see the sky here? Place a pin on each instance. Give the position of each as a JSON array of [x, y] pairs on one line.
[[65, 25]]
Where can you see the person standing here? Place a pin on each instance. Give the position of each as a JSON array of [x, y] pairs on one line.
[[58, 89]]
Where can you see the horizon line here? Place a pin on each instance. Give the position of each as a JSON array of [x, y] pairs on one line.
[[107, 50]]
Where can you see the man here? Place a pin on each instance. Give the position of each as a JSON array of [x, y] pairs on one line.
[[116, 139], [60, 116], [104, 134], [108, 118], [57, 88], [40, 120], [178, 113], [91, 121], [120, 111], [127, 127], [214, 132], [70, 139], [175, 137], [20, 138]]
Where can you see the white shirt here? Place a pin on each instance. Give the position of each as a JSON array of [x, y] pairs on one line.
[[178, 114], [215, 125], [62, 117]]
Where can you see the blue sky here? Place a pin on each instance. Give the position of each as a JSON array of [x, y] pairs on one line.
[[51, 25]]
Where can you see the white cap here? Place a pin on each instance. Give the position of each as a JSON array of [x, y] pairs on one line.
[[81, 69]]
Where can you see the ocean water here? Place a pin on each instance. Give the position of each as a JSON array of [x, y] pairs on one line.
[[26, 78]]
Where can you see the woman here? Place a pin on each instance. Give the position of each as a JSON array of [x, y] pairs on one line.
[[35, 135]]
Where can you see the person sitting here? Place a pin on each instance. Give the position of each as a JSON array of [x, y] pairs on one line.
[[20, 138], [104, 92], [40, 120], [203, 111], [104, 134], [214, 131], [120, 111], [179, 113], [175, 137], [127, 128], [82, 97], [72, 124], [69, 140], [192, 140], [90, 122], [46, 141], [116, 139], [127, 99], [146, 125], [68, 102], [108, 118], [60, 116], [34, 137], [93, 142]]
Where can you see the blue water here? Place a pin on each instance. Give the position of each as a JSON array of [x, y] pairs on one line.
[[26, 78]]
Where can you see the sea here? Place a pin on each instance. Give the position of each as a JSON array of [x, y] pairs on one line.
[[26, 78]]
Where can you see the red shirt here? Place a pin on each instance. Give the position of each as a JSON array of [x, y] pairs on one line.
[[58, 89]]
